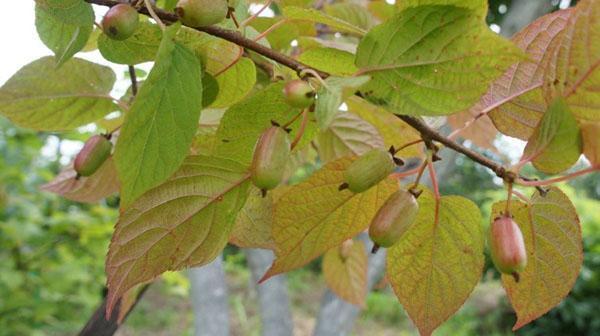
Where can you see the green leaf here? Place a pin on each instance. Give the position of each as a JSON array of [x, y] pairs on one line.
[[184, 222], [347, 277], [313, 15], [516, 98], [334, 61], [42, 97], [331, 95], [477, 7], [439, 260], [64, 26], [354, 14], [235, 83], [159, 129], [433, 59], [141, 47], [553, 242], [556, 142], [252, 227], [215, 54], [576, 71], [314, 216], [347, 135], [245, 121]]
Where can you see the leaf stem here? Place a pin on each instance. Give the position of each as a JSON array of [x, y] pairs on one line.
[[255, 15], [434, 181], [419, 174], [301, 129], [508, 198], [558, 179], [153, 14], [406, 145]]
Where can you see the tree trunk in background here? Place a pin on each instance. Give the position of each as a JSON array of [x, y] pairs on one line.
[[209, 299], [523, 12], [336, 317], [274, 303]]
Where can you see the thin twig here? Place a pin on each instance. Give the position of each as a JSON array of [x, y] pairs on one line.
[[134, 84], [255, 15], [153, 14]]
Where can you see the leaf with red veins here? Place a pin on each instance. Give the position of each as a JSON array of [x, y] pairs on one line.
[[101, 184], [576, 71], [184, 222], [515, 102]]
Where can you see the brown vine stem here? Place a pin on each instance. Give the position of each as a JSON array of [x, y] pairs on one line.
[[237, 38]]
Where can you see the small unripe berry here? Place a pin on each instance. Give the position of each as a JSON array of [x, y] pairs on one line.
[[299, 93], [120, 22], [93, 154], [368, 170], [393, 219], [507, 246], [346, 248], [201, 13], [271, 155]]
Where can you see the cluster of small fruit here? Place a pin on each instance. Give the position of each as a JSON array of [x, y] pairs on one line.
[[122, 20], [273, 150]]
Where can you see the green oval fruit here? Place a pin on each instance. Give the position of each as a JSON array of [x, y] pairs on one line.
[[271, 155], [93, 154], [393, 219], [120, 22], [299, 93], [368, 170], [201, 13], [507, 246]]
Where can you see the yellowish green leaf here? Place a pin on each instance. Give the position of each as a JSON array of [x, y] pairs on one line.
[[556, 142], [334, 61], [313, 15], [553, 242], [314, 216], [438, 262], [347, 135], [42, 97], [347, 276], [235, 83], [252, 227], [394, 131], [432, 58]]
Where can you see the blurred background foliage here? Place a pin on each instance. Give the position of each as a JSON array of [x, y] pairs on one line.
[[52, 255]]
